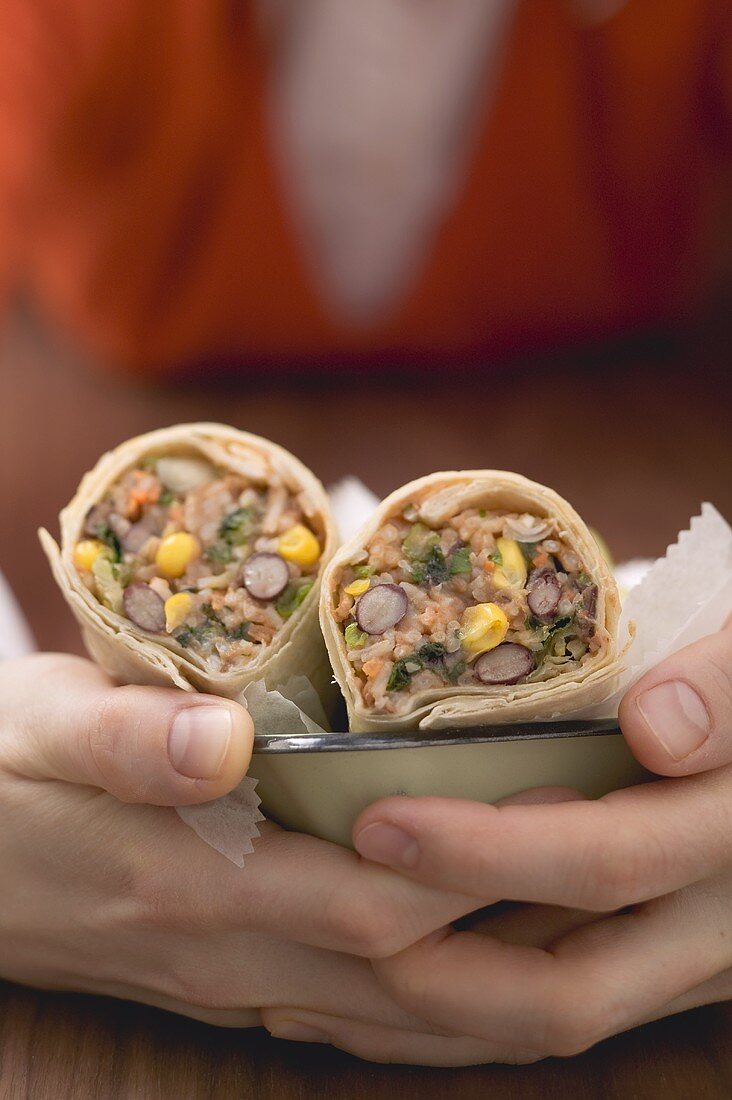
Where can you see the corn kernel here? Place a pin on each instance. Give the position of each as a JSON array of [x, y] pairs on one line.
[[513, 563], [176, 552], [177, 610], [357, 588], [86, 553], [484, 626], [299, 545]]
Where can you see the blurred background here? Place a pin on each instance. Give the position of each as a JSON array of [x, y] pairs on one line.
[[394, 237]]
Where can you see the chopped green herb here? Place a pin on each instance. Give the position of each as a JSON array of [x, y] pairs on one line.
[[553, 633], [220, 553], [106, 535], [200, 633], [241, 632], [454, 672], [237, 526], [166, 497], [528, 549], [559, 624], [122, 572], [496, 557], [434, 656], [460, 561], [292, 597], [583, 579], [361, 572], [402, 672], [419, 542], [482, 513], [432, 571], [431, 653], [431, 656], [355, 638]]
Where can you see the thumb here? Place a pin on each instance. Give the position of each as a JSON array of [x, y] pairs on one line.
[[64, 719], [678, 718]]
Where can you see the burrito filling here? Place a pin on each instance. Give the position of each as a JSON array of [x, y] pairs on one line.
[[489, 598], [203, 556]]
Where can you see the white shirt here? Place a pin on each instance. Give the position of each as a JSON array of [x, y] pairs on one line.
[[16, 639], [374, 107]]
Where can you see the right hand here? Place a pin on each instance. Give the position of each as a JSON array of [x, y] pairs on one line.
[[107, 891]]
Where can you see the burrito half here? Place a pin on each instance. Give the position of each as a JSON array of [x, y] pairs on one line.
[[470, 598], [193, 556]]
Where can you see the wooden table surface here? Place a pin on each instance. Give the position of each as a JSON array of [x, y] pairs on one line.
[[635, 438]]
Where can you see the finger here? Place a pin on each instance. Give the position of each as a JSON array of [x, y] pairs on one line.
[[678, 718], [376, 1043], [63, 719], [217, 978], [342, 903], [595, 982], [714, 991], [625, 848], [295, 887]]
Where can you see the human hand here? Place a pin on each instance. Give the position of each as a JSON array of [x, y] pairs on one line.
[[107, 891], [659, 856]]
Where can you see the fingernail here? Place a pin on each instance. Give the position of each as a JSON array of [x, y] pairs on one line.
[[298, 1033], [198, 741], [677, 717], [387, 844]]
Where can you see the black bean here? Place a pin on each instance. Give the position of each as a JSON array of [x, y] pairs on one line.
[[136, 536], [96, 518], [544, 593], [144, 608], [381, 608], [506, 664], [266, 575]]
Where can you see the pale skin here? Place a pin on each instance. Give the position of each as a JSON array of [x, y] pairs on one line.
[[625, 904]]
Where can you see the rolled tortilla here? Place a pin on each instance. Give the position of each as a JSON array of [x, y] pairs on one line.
[[133, 655], [546, 691]]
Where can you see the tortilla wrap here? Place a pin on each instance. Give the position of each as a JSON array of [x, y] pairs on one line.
[[436, 498], [135, 657]]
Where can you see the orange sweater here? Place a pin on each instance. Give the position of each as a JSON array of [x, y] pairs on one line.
[[140, 204]]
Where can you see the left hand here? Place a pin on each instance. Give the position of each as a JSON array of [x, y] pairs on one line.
[[657, 858]]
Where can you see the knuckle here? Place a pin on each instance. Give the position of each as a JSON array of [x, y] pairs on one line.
[[115, 743], [103, 735], [43, 668], [158, 901], [360, 925], [409, 980]]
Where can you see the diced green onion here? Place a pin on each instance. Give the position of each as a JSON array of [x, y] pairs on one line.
[[354, 637]]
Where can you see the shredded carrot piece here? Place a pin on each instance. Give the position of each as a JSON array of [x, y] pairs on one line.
[[140, 497], [373, 667], [489, 566], [541, 559]]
